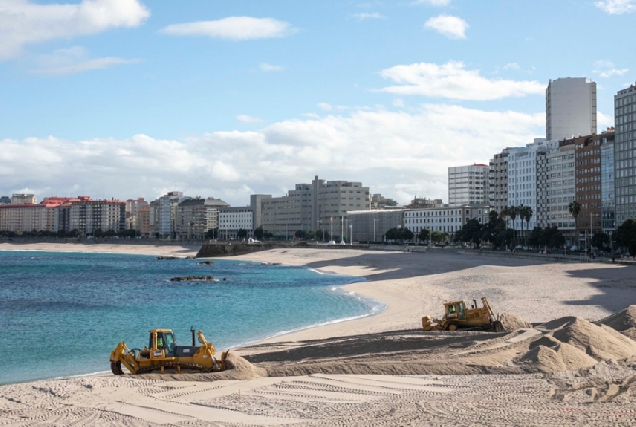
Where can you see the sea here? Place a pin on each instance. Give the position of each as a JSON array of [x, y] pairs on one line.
[[61, 314]]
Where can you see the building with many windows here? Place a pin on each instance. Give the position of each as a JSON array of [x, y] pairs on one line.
[[5, 200], [498, 180], [625, 154], [310, 206], [522, 178], [561, 167], [468, 185], [232, 220], [447, 218], [370, 226], [570, 108], [608, 191], [195, 217], [256, 203], [22, 199]]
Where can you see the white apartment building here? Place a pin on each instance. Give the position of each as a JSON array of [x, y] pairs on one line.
[[446, 218], [21, 199], [522, 179], [562, 182], [166, 212], [231, 220], [468, 185], [132, 209], [570, 108]]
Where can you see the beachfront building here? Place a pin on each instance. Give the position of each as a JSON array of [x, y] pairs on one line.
[[23, 199], [369, 226], [587, 191], [468, 184], [165, 214], [561, 167], [5, 200], [256, 203], [625, 154], [522, 178], [132, 209], [570, 108], [27, 217], [232, 220], [87, 215], [498, 180], [143, 221], [446, 218], [608, 189], [309, 206], [195, 217]]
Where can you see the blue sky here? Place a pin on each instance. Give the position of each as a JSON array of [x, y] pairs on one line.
[[121, 98]]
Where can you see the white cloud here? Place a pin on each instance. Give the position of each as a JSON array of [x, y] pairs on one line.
[[616, 7], [398, 103], [449, 26], [397, 153], [324, 106], [363, 16], [452, 80], [74, 60], [607, 69], [233, 28], [248, 119], [23, 23], [512, 66], [604, 121], [268, 67], [433, 2]]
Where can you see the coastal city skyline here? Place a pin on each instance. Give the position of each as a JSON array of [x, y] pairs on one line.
[[294, 93]]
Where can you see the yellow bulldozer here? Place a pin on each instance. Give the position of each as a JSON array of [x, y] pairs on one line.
[[459, 316], [163, 353]]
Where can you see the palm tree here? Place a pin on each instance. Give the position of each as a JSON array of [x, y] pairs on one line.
[[575, 208], [522, 216], [527, 214], [513, 212]]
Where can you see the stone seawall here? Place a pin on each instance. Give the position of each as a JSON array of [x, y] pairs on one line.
[[213, 250]]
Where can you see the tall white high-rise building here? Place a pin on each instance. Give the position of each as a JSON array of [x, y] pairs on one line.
[[570, 108], [625, 154], [522, 178], [468, 185]]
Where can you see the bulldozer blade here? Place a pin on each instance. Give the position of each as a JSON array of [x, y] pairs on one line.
[[115, 367]]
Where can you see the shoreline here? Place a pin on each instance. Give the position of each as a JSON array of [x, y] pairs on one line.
[[375, 306]]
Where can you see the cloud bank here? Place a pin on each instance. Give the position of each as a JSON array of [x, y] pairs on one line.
[[23, 23], [399, 154], [233, 28], [616, 7], [453, 81]]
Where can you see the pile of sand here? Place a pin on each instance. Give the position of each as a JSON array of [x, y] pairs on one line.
[[600, 342], [512, 322], [623, 321], [575, 343], [548, 354]]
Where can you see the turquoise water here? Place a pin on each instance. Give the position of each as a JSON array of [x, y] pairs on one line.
[[62, 313]]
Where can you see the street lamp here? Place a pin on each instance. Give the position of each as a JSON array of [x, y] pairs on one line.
[[374, 220]]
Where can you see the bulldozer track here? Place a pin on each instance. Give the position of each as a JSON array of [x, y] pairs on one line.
[[174, 366]]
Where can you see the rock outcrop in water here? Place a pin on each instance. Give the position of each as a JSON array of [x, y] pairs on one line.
[[192, 279]]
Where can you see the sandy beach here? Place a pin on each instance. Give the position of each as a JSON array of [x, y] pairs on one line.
[[384, 369]]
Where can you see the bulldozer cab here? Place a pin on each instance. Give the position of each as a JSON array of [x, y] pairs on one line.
[[456, 310], [163, 340]]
